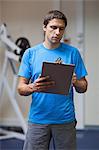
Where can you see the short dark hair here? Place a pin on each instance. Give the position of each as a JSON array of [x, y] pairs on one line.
[[54, 14]]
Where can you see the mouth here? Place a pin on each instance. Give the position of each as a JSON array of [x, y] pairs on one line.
[[55, 38]]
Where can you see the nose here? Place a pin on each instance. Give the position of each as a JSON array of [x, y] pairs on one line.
[[57, 31]]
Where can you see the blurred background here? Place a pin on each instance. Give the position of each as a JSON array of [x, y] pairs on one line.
[[24, 18]]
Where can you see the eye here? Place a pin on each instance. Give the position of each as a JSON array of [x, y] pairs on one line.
[[61, 28], [54, 27]]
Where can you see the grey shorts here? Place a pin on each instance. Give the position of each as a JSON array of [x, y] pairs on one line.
[[53, 137]]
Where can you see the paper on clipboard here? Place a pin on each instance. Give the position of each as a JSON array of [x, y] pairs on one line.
[[61, 74]]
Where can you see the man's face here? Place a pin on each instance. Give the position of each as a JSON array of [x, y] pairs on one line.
[[54, 31]]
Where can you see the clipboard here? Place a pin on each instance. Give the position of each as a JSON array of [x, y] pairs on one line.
[[61, 74]]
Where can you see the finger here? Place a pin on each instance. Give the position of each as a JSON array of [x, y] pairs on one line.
[[43, 88], [45, 83], [32, 87], [40, 79]]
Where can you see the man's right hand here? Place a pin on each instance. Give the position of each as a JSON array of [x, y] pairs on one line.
[[40, 84]]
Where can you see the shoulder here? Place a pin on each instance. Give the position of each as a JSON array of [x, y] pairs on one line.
[[32, 50], [69, 47], [71, 51]]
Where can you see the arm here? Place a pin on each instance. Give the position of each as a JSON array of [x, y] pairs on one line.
[[80, 85], [25, 88]]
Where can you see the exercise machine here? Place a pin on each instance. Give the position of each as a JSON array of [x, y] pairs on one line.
[[13, 54]]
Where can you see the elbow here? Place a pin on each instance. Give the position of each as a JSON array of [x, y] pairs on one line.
[[83, 89], [86, 86]]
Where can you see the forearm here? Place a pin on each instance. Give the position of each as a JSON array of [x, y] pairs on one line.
[[24, 89], [40, 84], [81, 85]]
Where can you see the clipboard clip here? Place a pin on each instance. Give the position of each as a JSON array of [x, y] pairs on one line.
[[58, 60]]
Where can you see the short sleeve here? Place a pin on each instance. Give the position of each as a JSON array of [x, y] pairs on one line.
[[80, 69], [25, 69]]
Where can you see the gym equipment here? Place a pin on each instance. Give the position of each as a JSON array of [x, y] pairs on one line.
[[13, 53], [24, 44]]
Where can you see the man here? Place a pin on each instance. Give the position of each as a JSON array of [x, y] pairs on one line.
[[51, 115]]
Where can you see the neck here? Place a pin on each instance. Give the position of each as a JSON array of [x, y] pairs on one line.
[[51, 45]]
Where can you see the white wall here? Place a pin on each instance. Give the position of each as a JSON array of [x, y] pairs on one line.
[[90, 103], [92, 61], [1, 50], [69, 9], [24, 18], [0, 12]]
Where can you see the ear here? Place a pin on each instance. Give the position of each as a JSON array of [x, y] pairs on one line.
[[44, 28]]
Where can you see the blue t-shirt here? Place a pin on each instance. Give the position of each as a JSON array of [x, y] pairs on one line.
[[47, 108]]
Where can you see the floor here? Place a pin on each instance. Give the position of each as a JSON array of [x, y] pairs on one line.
[[86, 140]]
